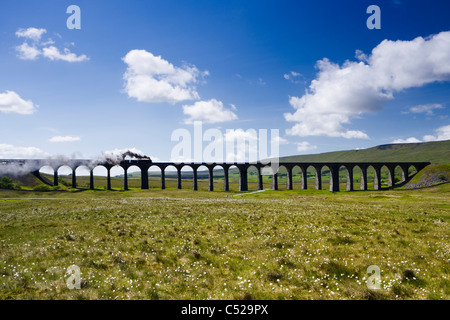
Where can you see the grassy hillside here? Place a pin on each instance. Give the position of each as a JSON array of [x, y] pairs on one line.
[[430, 175], [437, 152]]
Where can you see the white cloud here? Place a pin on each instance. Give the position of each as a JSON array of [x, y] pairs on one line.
[[34, 34], [8, 151], [150, 78], [280, 140], [211, 111], [342, 93], [441, 133], [38, 48], [64, 139], [240, 135], [261, 82], [426, 108], [305, 146], [245, 145], [27, 52], [11, 102], [408, 140], [294, 77], [53, 53], [291, 74]]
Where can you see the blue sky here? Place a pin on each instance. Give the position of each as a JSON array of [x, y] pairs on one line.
[[137, 71]]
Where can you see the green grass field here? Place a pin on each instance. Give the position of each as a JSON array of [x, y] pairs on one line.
[[182, 244]]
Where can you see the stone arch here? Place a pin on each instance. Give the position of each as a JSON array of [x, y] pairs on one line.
[[333, 175], [317, 176], [349, 175], [131, 176], [48, 174], [254, 177], [387, 173], [397, 174], [296, 172], [243, 185], [172, 176], [408, 172], [230, 182], [82, 173], [304, 181], [375, 171], [360, 176], [115, 177], [284, 176], [268, 176], [100, 176], [162, 178], [325, 174], [211, 168], [189, 173]]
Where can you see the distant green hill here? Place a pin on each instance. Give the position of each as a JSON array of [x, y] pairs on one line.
[[437, 152]]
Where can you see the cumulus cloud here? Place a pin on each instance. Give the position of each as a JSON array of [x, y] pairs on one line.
[[8, 151], [294, 77], [426, 108], [64, 139], [279, 140], [150, 78], [25, 51], [241, 145], [53, 53], [342, 93], [240, 135], [11, 102], [408, 140], [34, 34], [211, 111], [305, 146], [441, 133]]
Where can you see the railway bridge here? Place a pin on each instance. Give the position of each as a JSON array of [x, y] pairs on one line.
[[34, 165]]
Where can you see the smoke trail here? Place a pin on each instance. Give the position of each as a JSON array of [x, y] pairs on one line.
[[20, 167], [115, 156]]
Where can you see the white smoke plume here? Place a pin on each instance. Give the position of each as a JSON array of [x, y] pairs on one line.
[[16, 167], [115, 156]]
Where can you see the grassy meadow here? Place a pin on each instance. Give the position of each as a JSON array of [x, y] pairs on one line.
[[184, 244]]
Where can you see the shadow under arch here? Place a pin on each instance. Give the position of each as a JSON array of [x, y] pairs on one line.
[[47, 170]]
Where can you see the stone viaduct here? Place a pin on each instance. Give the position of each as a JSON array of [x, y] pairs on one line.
[[34, 165]]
